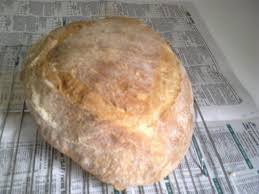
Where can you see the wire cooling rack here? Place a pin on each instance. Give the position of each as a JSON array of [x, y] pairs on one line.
[[30, 165]]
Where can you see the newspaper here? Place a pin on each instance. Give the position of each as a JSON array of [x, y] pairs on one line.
[[29, 165]]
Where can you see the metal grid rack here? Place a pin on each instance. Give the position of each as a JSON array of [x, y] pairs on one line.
[[173, 185]]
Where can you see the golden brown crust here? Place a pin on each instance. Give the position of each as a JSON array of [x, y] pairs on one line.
[[113, 96]]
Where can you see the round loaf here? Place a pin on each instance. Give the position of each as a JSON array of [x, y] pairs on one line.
[[111, 95]]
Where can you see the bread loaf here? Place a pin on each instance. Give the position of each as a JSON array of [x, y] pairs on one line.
[[111, 95]]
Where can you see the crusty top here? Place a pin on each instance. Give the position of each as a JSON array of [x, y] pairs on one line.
[[111, 95], [119, 71]]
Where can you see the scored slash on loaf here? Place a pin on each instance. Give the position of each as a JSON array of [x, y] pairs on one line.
[[113, 96]]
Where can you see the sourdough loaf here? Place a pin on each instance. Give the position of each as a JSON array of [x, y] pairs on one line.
[[113, 96]]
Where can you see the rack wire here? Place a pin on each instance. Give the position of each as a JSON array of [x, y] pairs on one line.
[[174, 182], [30, 181]]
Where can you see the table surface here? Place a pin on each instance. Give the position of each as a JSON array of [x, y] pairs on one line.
[[232, 25]]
